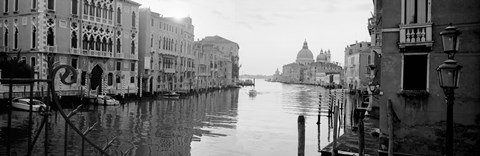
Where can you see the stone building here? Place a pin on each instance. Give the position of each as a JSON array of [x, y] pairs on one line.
[[99, 38], [357, 59], [166, 49], [305, 70], [217, 60], [411, 49]]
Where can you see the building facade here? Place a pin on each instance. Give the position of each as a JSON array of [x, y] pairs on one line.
[[357, 59], [96, 37], [217, 62], [407, 35], [166, 46]]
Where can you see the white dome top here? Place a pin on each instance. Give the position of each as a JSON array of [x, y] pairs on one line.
[[305, 55]]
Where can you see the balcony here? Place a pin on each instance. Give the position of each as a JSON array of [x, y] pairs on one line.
[[75, 51], [85, 52], [118, 55], [414, 35], [51, 49]]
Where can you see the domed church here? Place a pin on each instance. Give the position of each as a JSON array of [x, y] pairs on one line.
[[305, 56], [305, 70]]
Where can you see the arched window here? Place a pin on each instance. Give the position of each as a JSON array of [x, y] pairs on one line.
[[151, 41], [110, 13], [105, 10], [110, 45], [119, 46], [74, 40], [99, 10], [15, 39], [5, 38], [98, 43], [164, 43], [91, 46], [92, 10], [50, 37], [133, 47], [133, 19], [34, 37], [85, 42], [104, 44], [119, 16]]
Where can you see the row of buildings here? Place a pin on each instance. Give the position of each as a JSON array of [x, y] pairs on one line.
[[401, 63], [306, 70], [115, 46]]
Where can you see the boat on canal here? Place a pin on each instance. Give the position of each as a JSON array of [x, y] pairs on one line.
[[171, 95], [23, 103], [104, 100], [252, 93]]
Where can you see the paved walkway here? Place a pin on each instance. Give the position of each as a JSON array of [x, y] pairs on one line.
[[348, 143]]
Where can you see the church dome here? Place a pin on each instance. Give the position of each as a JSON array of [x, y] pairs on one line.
[[321, 58], [305, 55]]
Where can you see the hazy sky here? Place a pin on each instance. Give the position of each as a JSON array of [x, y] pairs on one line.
[[271, 32]]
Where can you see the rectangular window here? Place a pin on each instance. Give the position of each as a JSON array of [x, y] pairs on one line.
[[5, 6], [117, 79], [415, 11], [34, 4], [33, 61], [74, 7], [16, 5], [51, 5], [74, 63], [119, 66], [132, 79], [83, 78], [24, 60], [132, 66], [415, 72]]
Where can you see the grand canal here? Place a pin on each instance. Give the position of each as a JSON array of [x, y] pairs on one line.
[[225, 122]]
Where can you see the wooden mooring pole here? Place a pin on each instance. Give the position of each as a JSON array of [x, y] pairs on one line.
[[390, 128], [335, 133], [301, 135], [361, 136]]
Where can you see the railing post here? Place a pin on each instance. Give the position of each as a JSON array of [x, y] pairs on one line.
[[10, 90], [30, 118]]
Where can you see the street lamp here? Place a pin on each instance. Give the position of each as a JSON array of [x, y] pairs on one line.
[[448, 74]]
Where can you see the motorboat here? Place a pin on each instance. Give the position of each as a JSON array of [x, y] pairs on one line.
[[252, 92], [105, 100], [24, 104], [171, 95]]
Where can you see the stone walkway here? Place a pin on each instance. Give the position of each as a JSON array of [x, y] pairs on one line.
[[347, 144]]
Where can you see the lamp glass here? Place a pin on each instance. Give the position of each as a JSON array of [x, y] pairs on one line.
[[449, 74]]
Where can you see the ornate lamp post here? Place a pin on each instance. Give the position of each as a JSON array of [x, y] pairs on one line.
[[448, 74]]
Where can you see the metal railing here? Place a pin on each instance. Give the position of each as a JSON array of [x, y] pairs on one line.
[[51, 95]]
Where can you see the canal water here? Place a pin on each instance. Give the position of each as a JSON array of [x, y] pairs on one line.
[[225, 122]]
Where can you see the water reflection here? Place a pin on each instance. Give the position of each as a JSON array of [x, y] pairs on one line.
[[226, 122]]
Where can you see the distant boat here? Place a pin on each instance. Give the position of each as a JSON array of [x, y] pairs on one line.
[[105, 100], [252, 92], [24, 104], [171, 95]]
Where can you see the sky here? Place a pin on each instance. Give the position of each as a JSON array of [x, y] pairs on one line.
[[271, 32]]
